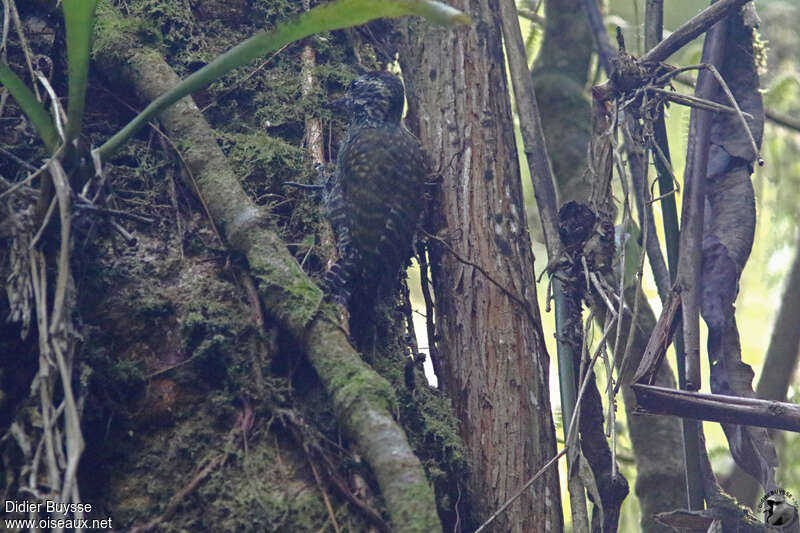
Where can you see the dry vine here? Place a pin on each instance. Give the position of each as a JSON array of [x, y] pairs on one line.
[[50, 438]]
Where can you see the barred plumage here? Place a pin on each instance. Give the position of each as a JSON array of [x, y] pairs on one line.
[[376, 192]]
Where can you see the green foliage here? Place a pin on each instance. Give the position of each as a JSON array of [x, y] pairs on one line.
[[331, 16], [30, 106], [79, 18], [79, 22]]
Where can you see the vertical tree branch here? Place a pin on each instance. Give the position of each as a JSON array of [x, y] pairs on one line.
[[530, 123], [689, 261], [654, 29]]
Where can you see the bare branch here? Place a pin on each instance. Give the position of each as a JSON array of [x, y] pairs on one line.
[[717, 407], [696, 26]]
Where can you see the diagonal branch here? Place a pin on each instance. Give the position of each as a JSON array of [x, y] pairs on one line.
[[533, 141], [689, 260], [692, 29]]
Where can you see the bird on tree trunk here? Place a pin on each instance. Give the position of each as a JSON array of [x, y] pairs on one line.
[[375, 196]]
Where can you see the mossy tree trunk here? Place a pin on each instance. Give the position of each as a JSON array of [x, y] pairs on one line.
[[201, 411]]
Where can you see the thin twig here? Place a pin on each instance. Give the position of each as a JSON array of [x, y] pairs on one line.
[[20, 162], [190, 175], [328, 506], [599, 288], [531, 128], [250, 75], [531, 15], [483, 271], [693, 28], [62, 194], [129, 238], [34, 175], [585, 379], [47, 216], [772, 115], [710, 67], [675, 184], [177, 498], [693, 101], [527, 484], [605, 52], [59, 114], [112, 212]]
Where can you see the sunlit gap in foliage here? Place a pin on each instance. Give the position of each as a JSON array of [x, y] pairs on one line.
[[418, 313]]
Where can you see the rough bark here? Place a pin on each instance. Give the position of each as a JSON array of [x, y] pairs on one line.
[[491, 347]]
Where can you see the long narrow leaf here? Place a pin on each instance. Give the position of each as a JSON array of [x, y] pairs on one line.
[[34, 110], [326, 17], [79, 21]]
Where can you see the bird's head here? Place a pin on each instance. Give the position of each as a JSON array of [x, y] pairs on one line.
[[375, 97]]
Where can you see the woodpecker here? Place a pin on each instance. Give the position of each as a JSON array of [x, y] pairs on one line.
[[375, 195]]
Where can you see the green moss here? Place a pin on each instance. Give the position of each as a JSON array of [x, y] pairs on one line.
[[175, 25], [425, 414], [114, 32], [261, 156], [421, 522], [268, 487], [193, 328], [114, 382], [359, 383], [152, 305], [188, 309], [305, 290], [210, 323]]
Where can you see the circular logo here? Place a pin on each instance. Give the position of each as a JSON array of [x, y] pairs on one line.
[[779, 509]]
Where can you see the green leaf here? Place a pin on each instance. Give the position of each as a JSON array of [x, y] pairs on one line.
[[79, 21], [34, 110], [326, 17], [633, 251], [309, 240]]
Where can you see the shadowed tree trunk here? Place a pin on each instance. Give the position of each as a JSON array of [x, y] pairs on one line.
[[494, 361], [560, 75]]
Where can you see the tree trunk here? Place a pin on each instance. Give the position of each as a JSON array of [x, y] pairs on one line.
[[494, 361]]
